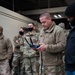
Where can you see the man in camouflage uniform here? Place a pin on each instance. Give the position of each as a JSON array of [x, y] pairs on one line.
[[52, 43], [30, 56], [18, 43], [6, 51]]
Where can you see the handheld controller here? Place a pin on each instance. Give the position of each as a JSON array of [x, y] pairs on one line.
[[34, 46]]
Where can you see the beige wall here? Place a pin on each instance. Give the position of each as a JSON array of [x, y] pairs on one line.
[[11, 22]]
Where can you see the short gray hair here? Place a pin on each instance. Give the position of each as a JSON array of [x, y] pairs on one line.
[[45, 14]]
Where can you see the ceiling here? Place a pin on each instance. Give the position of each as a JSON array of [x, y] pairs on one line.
[[21, 6]]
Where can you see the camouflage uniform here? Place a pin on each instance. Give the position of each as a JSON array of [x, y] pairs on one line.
[[52, 56], [30, 56], [6, 51], [18, 42], [4, 68], [53, 70]]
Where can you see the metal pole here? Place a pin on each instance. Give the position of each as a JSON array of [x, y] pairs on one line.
[[48, 3], [41, 62], [13, 5]]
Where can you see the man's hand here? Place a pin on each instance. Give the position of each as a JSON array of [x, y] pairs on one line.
[[42, 47], [16, 41]]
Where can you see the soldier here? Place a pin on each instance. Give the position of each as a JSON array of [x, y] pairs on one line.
[[30, 61], [18, 43], [6, 50], [52, 43], [62, 25]]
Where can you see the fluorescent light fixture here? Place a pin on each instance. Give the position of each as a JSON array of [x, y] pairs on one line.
[[55, 16], [59, 16]]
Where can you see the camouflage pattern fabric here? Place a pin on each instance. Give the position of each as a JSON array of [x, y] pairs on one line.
[[53, 70], [4, 67], [30, 58], [16, 64], [29, 66]]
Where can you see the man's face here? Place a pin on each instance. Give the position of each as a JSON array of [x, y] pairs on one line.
[[46, 22], [70, 19], [21, 31], [30, 25]]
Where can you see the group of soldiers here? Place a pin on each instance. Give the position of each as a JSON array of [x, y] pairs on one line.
[[25, 58], [35, 53]]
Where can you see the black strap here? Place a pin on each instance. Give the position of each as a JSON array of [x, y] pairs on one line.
[[27, 41], [31, 41]]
